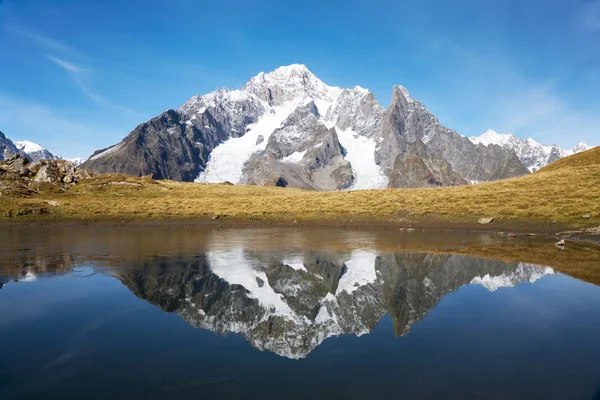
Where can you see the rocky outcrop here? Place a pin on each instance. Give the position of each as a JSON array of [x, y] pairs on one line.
[[18, 176]]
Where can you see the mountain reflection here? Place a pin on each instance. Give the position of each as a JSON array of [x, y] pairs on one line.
[[290, 303]]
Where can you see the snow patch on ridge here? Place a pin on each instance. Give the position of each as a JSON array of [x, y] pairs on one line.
[[294, 157], [360, 271], [107, 152], [360, 152]]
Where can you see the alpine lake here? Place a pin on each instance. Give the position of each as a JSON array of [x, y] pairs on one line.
[[176, 312]]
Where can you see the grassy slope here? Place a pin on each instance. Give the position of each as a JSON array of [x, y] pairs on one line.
[[561, 192]]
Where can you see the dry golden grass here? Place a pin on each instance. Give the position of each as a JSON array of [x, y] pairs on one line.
[[561, 192]]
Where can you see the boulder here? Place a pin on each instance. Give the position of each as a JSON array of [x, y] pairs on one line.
[[485, 221], [586, 216], [47, 173], [18, 165]]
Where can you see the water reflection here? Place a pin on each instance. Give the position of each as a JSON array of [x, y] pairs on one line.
[[289, 302]]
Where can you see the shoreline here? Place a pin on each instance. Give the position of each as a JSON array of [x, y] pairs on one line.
[[506, 227]]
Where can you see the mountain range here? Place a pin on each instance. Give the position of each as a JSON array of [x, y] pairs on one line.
[[32, 151], [532, 154], [288, 128]]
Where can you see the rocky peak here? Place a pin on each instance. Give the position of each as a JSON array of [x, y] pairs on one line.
[[289, 83], [356, 109], [233, 109], [580, 147]]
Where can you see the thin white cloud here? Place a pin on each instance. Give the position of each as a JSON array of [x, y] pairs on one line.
[[75, 71], [65, 64], [76, 74], [46, 42], [79, 82]]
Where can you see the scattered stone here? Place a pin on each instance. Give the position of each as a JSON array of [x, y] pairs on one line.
[[560, 244], [586, 216], [260, 139], [68, 179], [216, 216], [485, 221], [53, 203], [260, 282], [512, 235]]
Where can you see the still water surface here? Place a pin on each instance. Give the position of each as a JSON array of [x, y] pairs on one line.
[[286, 313]]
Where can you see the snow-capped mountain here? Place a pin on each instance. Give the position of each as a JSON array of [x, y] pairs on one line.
[[30, 150], [288, 128], [34, 151], [289, 304], [532, 154]]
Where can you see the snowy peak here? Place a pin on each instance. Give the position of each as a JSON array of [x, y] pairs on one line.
[[291, 83], [532, 154], [34, 151], [28, 147], [493, 137], [579, 148]]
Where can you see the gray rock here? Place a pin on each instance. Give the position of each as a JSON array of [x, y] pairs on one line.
[[560, 243], [48, 173], [586, 216], [18, 164], [485, 221]]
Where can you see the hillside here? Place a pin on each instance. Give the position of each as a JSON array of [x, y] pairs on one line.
[[559, 194]]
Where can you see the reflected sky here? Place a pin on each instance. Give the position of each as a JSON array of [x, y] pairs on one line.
[[233, 317]]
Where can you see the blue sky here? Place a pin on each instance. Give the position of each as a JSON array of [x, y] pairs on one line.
[[80, 75]]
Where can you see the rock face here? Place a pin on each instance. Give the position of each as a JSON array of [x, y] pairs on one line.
[[290, 306], [7, 147], [532, 154], [289, 128]]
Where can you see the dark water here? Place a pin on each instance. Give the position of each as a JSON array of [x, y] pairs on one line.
[[172, 313]]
